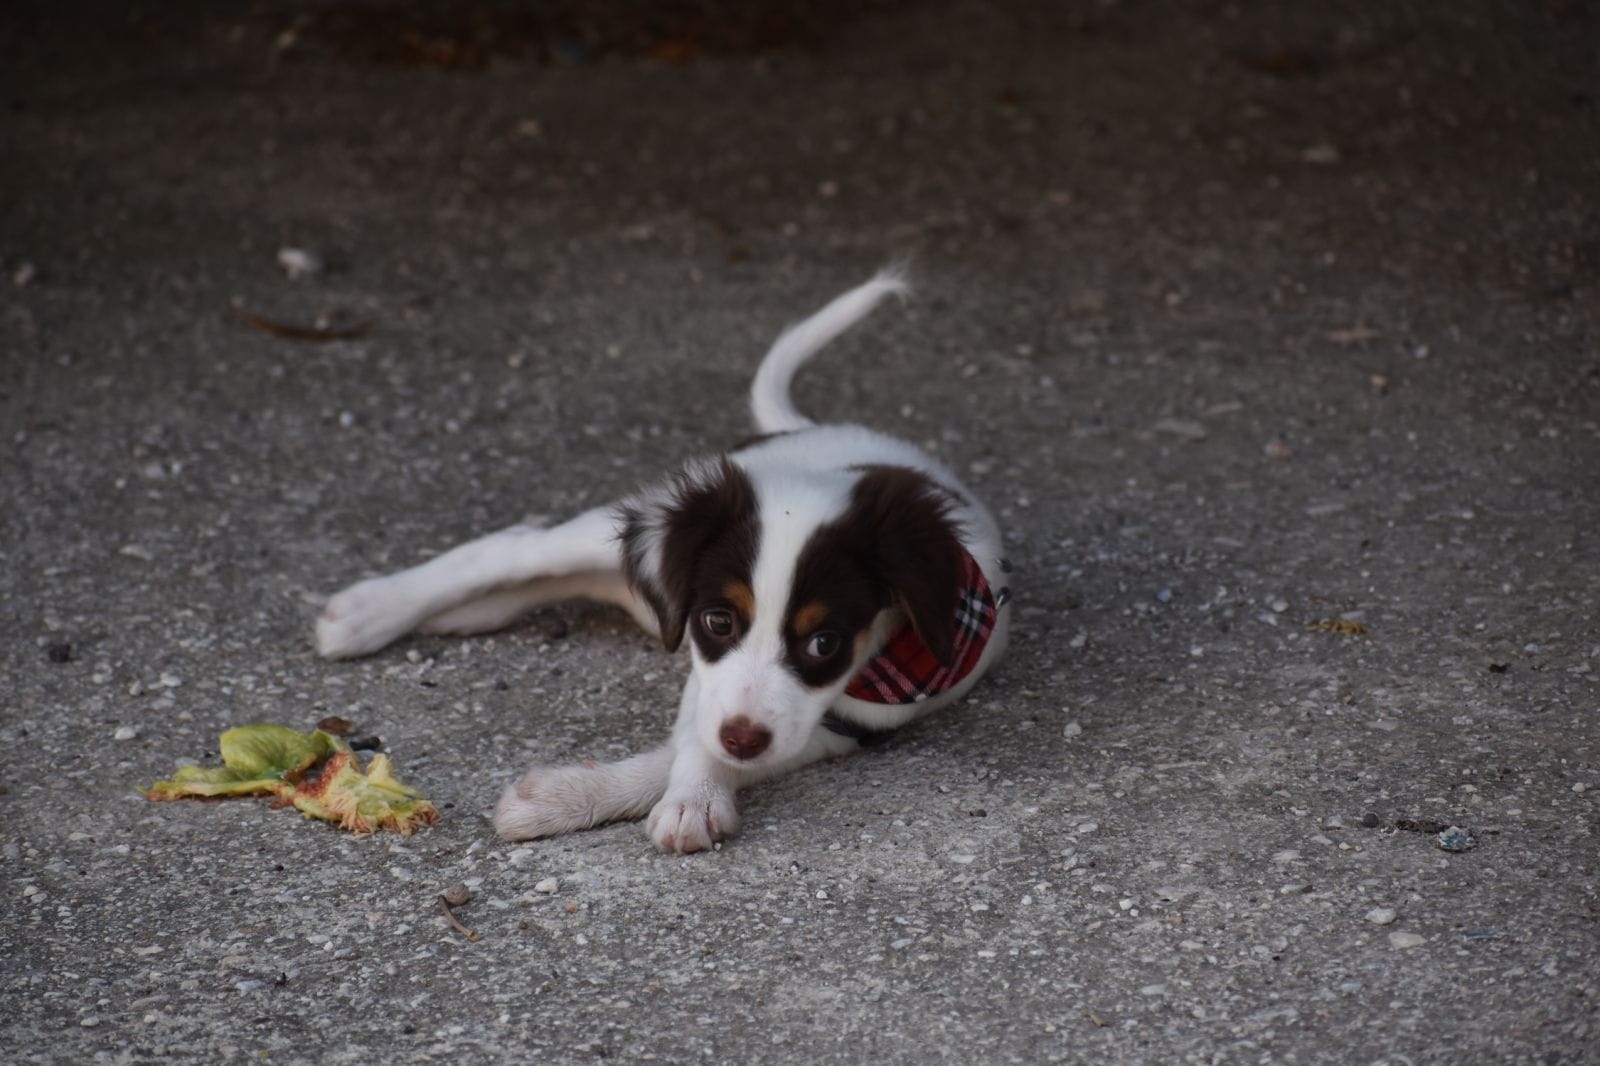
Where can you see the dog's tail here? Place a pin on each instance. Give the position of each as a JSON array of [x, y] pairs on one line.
[[769, 394]]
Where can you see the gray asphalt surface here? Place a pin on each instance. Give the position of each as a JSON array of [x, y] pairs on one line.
[[1246, 323]]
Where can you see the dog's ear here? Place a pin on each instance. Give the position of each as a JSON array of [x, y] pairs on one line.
[[701, 522], [915, 550]]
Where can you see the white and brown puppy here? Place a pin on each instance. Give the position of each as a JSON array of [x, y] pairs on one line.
[[833, 583]]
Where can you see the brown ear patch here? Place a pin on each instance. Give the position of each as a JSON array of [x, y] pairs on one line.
[[905, 516], [684, 546]]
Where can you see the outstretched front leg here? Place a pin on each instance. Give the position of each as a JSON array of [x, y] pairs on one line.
[[550, 800], [480, 585], [688, 794]]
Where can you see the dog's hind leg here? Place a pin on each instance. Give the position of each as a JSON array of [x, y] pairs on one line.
[[498, 609], [368, 615]]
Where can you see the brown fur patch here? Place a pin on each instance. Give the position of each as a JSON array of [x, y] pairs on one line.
[[705, 534], [742, 597], [895, 546], [808, 618]]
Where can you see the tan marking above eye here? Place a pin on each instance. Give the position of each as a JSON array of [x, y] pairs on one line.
[[809, 617], [742, 597]]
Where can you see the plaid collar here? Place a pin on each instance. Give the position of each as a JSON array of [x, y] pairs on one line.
[[905, 671]]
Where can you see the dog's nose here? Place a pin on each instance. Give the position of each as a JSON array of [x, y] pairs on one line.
[[743, 739]]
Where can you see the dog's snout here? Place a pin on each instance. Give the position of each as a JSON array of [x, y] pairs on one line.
[[743, 739]]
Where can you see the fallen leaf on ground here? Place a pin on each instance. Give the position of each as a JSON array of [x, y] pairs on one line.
[[316, 772]]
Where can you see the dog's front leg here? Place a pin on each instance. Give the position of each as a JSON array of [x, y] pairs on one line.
[[550, 800], [697, 809]]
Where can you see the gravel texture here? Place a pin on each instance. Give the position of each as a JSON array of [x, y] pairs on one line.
[[1271, 336]]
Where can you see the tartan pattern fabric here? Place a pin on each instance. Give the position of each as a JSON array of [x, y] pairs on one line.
[[905, 671]]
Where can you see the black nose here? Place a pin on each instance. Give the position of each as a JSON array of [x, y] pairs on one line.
[[743, 739]]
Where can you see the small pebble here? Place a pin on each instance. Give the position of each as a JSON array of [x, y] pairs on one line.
[[89, 1021], [1088, 827], [1457, 839], [1370, 820], [1380, 915], [299, 263], [548, 886], [1163, 595], [457, 894], [125, 732], [1406, 940], [1072, 729], [250, 985]]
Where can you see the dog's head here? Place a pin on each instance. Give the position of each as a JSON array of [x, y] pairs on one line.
[[786, 585]]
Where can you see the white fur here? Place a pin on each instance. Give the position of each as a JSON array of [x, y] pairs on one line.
[[803, 479]]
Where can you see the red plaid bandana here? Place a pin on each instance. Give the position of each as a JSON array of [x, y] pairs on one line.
[[905, 671]]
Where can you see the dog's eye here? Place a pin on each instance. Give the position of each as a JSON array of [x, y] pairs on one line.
[[717, 622], [823, 645]]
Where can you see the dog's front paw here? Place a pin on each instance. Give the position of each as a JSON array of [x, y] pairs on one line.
[[693, 818], [547, 801], [362, 619]]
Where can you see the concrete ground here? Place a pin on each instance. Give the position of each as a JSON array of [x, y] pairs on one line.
[[1252, 324]]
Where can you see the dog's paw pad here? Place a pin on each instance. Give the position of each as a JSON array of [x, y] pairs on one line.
[[693, 819]]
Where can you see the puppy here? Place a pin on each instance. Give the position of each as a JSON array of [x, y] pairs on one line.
[[832, 584]]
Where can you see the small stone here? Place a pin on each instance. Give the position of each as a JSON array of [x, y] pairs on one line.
[[1456, 838], [62, 653], [299, 263], [1072, 729], [1088, 827], [89, 1021], [125, 732], [1322, 154], [457, 894], [1406, 940], [1370, 820], [1279, 605], [548, 886], [1276, 449], [1163, 595], [1380, 915], [250, 985]]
